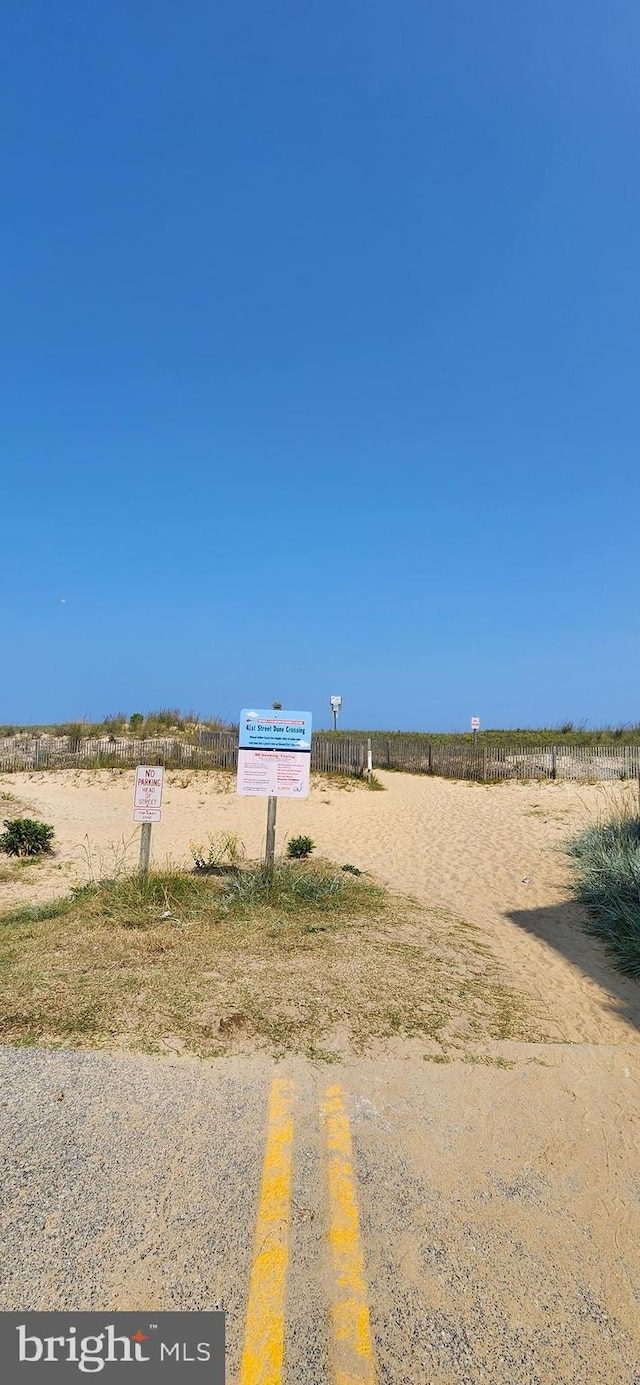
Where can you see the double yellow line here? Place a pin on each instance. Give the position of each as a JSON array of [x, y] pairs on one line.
[[265, 1327]]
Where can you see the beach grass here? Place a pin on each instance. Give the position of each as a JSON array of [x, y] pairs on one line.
[[606, 859]]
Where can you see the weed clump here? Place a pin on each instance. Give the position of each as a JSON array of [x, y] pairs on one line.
[[222, 850]]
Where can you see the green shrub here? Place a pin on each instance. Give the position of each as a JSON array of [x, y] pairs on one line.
[[300, 847], [607, 865], [26, 837]]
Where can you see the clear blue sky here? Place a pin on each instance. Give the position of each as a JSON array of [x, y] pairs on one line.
[[321, 359]]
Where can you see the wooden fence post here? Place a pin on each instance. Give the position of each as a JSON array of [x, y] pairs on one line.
[[484, 763], [430, 771], [554, 767]]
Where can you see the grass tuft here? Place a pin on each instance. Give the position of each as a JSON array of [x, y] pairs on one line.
[[607, 880], [288, 887]]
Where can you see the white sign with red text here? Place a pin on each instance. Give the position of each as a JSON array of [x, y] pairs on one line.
[[475, 723], [274, 773], [148, 795]]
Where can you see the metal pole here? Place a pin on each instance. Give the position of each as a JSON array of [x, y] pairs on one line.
[[475, 741], [270, 853], [145, 849], [335, 718]]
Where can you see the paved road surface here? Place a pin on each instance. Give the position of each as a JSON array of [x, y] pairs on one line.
[[388, 1221]]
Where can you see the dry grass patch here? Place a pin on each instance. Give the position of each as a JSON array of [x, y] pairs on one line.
[[313, 961]]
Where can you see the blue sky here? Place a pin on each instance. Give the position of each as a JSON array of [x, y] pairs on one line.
[[320, 359]]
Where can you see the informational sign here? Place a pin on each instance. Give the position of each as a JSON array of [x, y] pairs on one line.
[[275, 730], [274, 753], [148, 794], [274, 773], [475, 723], [336, 702]]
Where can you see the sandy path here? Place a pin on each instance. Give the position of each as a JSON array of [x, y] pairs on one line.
[[490, 853]]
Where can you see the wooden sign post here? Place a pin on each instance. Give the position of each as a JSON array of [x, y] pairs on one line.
[[145, 849], [270, 850]]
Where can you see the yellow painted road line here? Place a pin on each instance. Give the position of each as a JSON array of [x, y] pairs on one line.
[[264, 1331], [352, 1332]]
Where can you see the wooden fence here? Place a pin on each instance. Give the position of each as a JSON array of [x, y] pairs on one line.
[[348, 755], [492, 762], [216, 750], [343, 755]]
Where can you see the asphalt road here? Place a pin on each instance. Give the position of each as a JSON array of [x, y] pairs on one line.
[[461, 1225]]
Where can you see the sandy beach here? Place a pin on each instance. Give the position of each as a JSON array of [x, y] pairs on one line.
[[491, 854]]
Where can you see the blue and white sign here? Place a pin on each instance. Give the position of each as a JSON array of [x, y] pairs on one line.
[[262, 729]]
